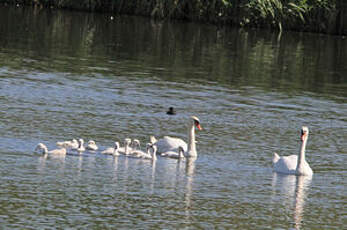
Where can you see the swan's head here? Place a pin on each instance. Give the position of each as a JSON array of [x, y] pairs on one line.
[[196, 122], [80, 142], [152, 139], [149, 145], [91, 142], [40, 148], [127, 141], [136, 143], [304, 133]]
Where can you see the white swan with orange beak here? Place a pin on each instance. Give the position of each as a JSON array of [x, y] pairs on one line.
[[294, 164], [167, 143]]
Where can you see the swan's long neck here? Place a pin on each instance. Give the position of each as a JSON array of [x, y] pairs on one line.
[[191, 141], [301, 158], [115, 149], [81, 142], [148, 151]]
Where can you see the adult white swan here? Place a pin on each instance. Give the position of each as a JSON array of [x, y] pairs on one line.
[[294, 164], [42, 148], [167, 143]]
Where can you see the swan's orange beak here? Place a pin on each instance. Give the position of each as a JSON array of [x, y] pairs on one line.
[[303, 136], [198, 126]]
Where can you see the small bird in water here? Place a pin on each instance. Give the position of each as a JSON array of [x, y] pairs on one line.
[[171, 111]]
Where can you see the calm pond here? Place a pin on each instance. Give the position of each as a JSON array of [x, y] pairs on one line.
[[67, 75]]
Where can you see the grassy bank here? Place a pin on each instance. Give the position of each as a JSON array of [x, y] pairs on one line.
[[324, 16]]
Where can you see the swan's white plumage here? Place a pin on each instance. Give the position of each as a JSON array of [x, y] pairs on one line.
[[63, 143], [275, 158], [135, 144], [286, 164], [68, 144], [167, 143], [141, 154], [126, 149], [154, 152], [74, 144], [42, 148], [294, 164], [92, 145], [80, 145], [174, 154], [112, 150]]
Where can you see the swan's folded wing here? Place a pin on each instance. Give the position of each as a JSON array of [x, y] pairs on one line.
[[58, 151], [121, 150], [108, 151], [92, 147], [167, 144], [64, 144], [286, 164]]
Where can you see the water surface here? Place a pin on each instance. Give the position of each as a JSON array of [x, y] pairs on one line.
[[67, 75]]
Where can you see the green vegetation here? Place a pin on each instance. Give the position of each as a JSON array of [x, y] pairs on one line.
[[326, 16]]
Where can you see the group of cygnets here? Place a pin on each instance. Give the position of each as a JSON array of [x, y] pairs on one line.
[[131, 148], [177, 148]]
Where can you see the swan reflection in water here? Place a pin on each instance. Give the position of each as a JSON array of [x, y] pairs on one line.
[[113, 165], [153, 163], [43, 167], [294, 189], [42, 162], [190, 170]]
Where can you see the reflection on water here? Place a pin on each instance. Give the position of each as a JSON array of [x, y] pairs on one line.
[[42, 162], [115, 167], [294, 190], [153, 164], [79, 165], [190, 168], [133, 47], [302, 187]]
